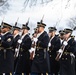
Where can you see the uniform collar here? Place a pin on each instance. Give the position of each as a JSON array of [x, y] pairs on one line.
[[16, 35], [5, 33], [24, 35], [40, 34], [68, 39], [52, 37]]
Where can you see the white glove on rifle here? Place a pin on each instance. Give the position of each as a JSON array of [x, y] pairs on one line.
[[19, 41], [0, 38], [49, 44], [60, 51], [16, 50], [65, 43], [75, 38], [35, 39], [31, 50]]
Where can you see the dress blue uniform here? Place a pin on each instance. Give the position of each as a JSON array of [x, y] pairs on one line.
[[67, 61], [23, 65], [6, 53], [40, 63], [15, 43], [55, 45], [17, 36]]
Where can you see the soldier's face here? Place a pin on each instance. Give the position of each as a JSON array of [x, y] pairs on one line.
[[36, 31], [66, 36], [4, 30], [62, 36], [51, 34], [40, 29], [25, 31], [15, 32], [35, 35]]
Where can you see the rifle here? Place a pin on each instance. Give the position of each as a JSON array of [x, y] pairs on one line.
[[1, 25], [2, 22], [42, 19], [16, 21], [27, 22], [36, 31], [14, 25], [33, 42], [74, 28], [59, 55], [19, 44], [13, 29]]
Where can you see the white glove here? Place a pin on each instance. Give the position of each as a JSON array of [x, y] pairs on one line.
[[31, 50], [0, 38], [16, 50], [65, 43], [60, 51], [35, 39], [19, 41], [49, 44]]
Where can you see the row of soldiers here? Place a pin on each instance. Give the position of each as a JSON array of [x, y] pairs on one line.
[[41, 54]]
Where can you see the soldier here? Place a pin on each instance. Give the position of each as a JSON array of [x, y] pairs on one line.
[[23, 65], [67, 61], [54, 45], [6, 53], [61, 35], [35, 31], [16, 38], [32, 50], [40, 62]]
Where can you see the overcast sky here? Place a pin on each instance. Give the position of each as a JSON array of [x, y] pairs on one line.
[[55, 12]]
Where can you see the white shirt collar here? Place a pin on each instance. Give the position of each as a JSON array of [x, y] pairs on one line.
[[61, 41], [23, 35], [52, 37], [16, 35], [40, 34], [68, 39], [5, 33]]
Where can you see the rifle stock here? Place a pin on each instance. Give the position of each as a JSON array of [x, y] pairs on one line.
[[59, 55]]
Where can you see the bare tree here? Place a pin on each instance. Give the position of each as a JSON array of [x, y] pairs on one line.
[[2, 2], [4, 6], [31, 3], [72, 23]]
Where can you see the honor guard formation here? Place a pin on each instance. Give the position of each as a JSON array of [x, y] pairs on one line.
[[45, 53]]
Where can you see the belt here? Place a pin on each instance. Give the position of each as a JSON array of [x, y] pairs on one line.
[[23, 50], [40, 48], [69, 53], [2, 48], [66, 53], [5, 50]]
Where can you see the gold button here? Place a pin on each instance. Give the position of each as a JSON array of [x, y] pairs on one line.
[[62, 58], [50, 55], [21, 55], [37, 54], [37, 49], [50, 50], [65, 58]]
